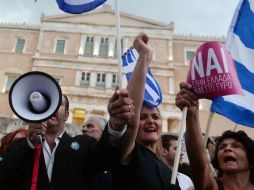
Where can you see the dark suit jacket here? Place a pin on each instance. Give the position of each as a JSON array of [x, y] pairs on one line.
[[101, 181], [71, 170], [144, 171]]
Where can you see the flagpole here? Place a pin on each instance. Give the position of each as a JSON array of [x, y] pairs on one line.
[[118, 44], [235, 127], [208, 127], [179, 145]]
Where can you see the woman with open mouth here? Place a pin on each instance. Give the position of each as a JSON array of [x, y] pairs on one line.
[[234, 153]]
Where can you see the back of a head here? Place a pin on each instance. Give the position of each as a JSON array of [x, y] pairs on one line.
[[3, 143], [12, 136]]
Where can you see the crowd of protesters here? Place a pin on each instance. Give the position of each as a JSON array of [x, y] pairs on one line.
[[127, 152]]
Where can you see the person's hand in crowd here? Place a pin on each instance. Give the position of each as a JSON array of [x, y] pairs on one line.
[[36, 129], [186, 98], [120, 109], [141, 45]]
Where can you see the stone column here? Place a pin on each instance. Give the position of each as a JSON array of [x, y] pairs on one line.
[[111, 46], [170, 50], [97, 41], [82, 44], [125, 44], [171, 85], [93, 78], [78, 78], [108, 81], [164, 125], [38, 48]]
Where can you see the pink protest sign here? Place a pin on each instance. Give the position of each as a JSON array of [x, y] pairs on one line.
[[212, 72]]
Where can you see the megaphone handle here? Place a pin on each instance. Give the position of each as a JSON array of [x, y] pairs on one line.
[[40, 138]]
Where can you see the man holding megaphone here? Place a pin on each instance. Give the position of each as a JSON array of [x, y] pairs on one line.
[[65, 162]]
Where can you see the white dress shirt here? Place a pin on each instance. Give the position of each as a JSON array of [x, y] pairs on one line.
[[49, 156]]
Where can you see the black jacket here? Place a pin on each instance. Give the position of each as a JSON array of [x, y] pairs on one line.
[[71, 170], [144, 171]]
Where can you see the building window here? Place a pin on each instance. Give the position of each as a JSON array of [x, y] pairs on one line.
[[189, 55], [88, 51], [9, 82], [116, 47], [85, 79], [100, 82], [20, 44], [114, 80], [60, 46], [103, 48], [78, 116]]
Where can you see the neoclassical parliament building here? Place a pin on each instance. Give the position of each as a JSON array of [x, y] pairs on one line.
[[79, 51]]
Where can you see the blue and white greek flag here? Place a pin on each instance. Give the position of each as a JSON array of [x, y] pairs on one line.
[[78, 6], [240, 44], [153, 94]]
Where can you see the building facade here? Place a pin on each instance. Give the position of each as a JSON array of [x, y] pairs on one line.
[[79, 51]]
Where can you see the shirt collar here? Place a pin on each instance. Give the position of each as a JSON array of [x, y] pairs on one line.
[[57, 139]]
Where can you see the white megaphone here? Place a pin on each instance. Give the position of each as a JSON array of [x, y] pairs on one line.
[[35, 96]]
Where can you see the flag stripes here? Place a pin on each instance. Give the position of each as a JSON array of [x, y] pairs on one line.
[[78, 6], [153, 94], [240, 44]]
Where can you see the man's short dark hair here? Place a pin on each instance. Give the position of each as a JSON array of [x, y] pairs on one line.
[[66, 102], [166, 138]]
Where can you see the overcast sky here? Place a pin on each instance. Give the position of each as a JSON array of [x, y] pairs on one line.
[[198, 17]]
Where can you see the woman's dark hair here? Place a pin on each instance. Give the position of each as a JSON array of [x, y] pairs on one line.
[[247, 142], [144, 103]]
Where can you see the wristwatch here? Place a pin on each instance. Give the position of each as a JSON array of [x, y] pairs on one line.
[[114, 132]]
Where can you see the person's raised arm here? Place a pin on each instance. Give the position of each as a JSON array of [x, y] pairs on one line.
[[136, 88], [203, 178], [135, 92], [136, 85]]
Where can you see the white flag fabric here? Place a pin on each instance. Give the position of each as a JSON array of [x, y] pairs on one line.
[[240, 44], [78, 6], [153, 94]]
